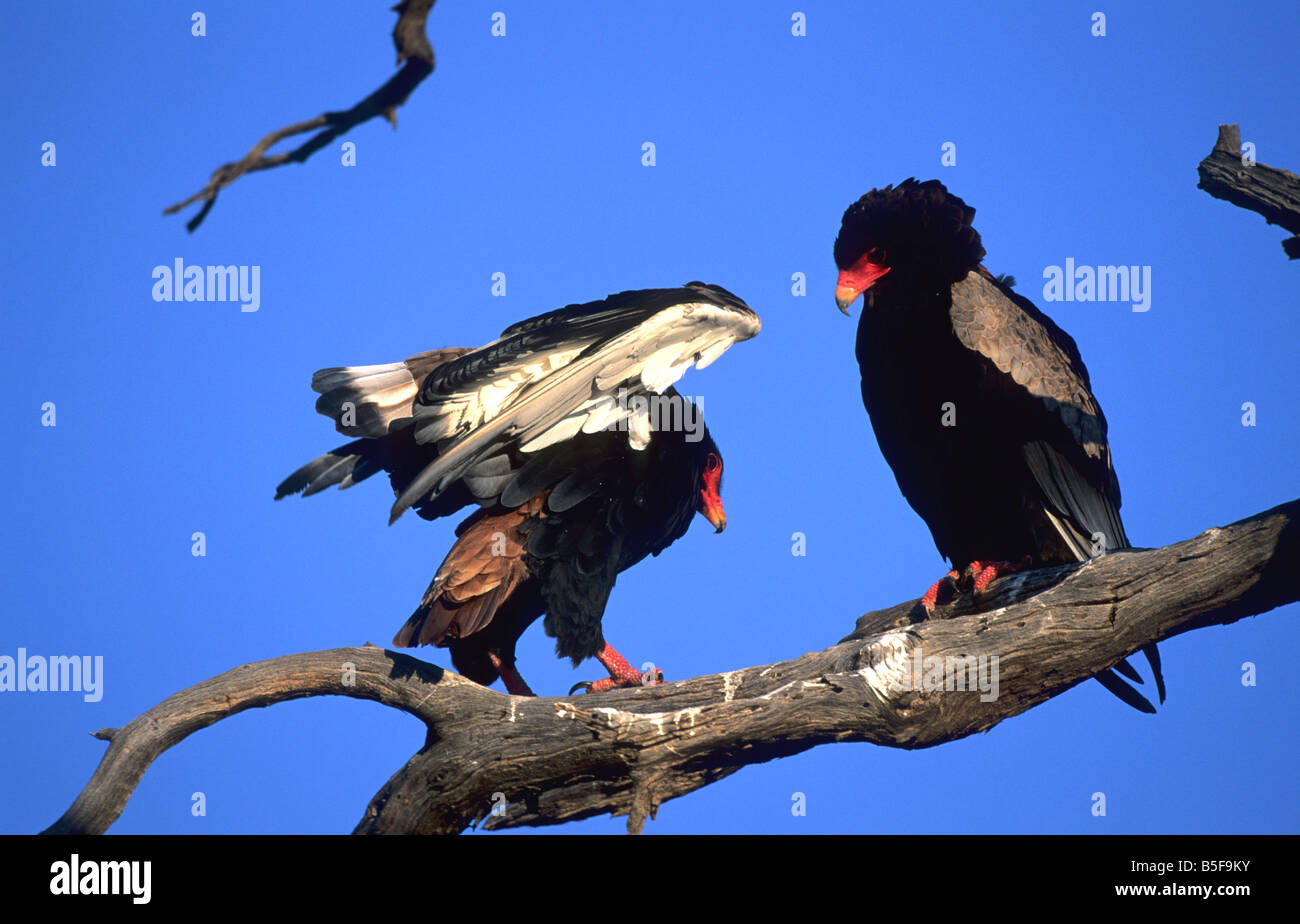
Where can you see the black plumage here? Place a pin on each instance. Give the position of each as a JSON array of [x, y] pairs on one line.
[[981, 404], [566, 433]]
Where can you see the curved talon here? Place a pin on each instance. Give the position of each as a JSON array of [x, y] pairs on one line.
[[984, 573], [622, 675], [931, 598], [605, 684]]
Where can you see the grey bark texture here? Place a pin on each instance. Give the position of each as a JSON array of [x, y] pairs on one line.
[[1270, 191], [557, 759]]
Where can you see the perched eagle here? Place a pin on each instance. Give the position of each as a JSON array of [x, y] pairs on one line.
[[567, 435], [980, 403]]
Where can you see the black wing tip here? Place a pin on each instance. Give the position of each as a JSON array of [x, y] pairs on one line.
[[723, 294], [1124, 692], [1128, 672], [291, 485], [1136, 700], [1153, 658], [305, 488]]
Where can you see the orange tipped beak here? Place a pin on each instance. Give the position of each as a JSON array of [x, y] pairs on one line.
[[714, 513], [710, 501], [857, 279], [844, 296]]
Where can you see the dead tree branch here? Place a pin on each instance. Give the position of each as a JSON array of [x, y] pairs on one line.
[[1270, 191], [414, 56], [558, 759]]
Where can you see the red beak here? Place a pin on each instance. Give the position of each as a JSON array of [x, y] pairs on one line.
[[855, 280], [713, 512]]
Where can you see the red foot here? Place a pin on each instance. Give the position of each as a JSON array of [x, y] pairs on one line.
[[984, 573], [980, 574], [621, 673], [931, 598], [515, 685]]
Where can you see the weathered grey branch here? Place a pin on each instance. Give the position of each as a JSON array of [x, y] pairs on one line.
[[1270, 191], [414, 56], [557, 759]]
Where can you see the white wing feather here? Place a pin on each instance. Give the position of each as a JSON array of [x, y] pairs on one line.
[[548, 399]]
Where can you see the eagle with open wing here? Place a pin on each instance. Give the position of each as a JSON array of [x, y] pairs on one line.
[[567, 434]]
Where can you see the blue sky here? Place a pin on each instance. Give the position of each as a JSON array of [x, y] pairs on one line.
[[522, 154]]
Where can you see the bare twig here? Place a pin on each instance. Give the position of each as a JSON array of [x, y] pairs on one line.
[[414, 56]]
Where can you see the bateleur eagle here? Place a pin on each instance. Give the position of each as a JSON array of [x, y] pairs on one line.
[[981, 405], [567, 435]]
